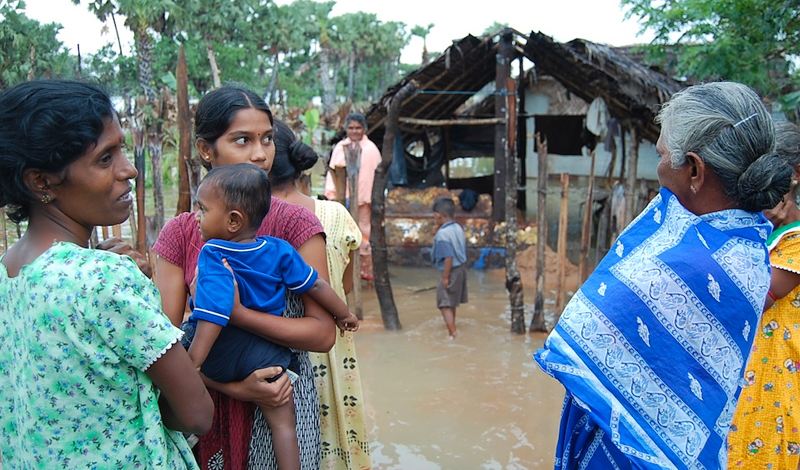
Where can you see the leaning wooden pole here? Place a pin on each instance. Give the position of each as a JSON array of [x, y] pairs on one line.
[[185, 138], [586, 229], [563, 221], [538, 323], [352, 153], [513, 278], [380, 252]]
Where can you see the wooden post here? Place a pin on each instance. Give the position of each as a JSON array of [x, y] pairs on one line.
[[603, 228], [352, 156], [586, 229], [380, 252], [116, 231], [563, 221], [138, 157], [502, 72], [339, 176], [105, 232], [538, 323], [630, 185], [513, 278], [185, 187]]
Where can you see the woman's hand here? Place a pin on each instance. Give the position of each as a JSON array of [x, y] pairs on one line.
[[255, 388], [120, 247]]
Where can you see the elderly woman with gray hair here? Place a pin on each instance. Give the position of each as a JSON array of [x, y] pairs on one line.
[[651, 348]]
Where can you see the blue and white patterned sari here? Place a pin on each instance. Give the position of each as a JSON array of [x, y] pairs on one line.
[[651, 348]]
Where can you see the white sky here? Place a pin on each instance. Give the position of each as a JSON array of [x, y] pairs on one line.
[[595, 20]]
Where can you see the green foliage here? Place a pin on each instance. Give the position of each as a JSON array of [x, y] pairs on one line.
[[311, 120], [29, 49], [749, 41]]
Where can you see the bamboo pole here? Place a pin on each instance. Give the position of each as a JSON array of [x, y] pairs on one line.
[[538, 323], [452, 122], [352, 154], [116, 231], [586, 230], [563, 221]]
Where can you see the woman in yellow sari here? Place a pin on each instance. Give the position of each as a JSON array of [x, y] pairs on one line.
[[766, 427]]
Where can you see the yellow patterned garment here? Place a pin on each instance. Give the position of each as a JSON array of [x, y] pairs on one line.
[[341, 401], [765, 433]]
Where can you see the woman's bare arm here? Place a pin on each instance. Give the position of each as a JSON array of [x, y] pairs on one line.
[[783, 282], [185, 403], [170, 283], [347, 277]]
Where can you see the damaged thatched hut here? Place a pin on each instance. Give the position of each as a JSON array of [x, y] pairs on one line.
[[583, 98]]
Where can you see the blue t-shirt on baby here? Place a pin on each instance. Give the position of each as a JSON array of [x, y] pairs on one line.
[[262, 269]]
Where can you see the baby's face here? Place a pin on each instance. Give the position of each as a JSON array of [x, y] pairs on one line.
[[213, 214]]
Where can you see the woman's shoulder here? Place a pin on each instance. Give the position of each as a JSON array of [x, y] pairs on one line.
[[324, 206]]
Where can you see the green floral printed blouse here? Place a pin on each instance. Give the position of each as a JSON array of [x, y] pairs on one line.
[[78, 328]]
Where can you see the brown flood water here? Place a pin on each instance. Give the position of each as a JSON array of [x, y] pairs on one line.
[[479, 402]]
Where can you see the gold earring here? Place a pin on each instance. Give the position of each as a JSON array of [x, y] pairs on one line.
[[46, 198]]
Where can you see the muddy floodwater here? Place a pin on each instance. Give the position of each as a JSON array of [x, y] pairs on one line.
[[479, 402]]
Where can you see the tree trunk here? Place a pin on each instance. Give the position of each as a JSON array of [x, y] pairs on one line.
[[380, 253], [538, 323], [212, 60], [144, 64], [328, 85], [185, 188], [351, 75], [273, 81]]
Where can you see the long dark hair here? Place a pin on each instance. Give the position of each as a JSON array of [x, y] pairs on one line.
[[47, 125], [292, 157]]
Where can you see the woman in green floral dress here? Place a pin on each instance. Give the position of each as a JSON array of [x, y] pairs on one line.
[[89, 377]]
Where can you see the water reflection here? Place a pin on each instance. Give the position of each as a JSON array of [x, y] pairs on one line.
[[478, 402]]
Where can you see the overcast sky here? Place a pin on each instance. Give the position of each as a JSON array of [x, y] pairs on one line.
[[595, 20]]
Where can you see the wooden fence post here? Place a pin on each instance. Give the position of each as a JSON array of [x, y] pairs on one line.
[[563, 221], [537, 322]]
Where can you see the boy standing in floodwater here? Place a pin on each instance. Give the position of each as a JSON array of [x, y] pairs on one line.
[[449, 254]]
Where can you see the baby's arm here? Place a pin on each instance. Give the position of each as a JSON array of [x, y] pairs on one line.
[[204, 338], [324, 294]]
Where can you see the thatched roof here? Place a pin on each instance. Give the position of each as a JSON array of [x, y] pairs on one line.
[[631, 90], [462, 69]]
